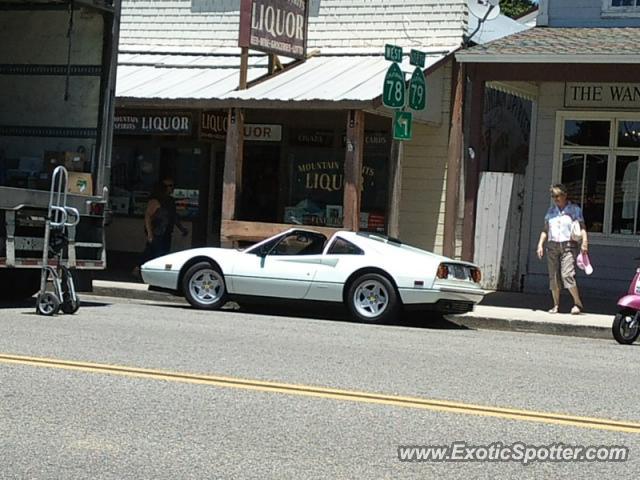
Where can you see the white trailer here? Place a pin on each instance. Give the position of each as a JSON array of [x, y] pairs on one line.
[[57, 91]]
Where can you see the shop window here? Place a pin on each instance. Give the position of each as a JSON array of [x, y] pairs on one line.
[[585, 179], [316, 193], [603, 177], [587, 133], [629, 134], [316, 166], [137, 168], [625, 3], [620, 8], [625, 203]]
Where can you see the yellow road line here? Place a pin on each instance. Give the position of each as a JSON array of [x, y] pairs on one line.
[[330, 393]]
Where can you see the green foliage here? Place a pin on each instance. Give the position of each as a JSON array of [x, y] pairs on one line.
[[516, 8]]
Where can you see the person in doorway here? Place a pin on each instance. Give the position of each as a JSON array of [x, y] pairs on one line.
[[561, 250], [160, 218]]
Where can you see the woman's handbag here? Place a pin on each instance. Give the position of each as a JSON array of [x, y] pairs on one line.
[[576, 231]]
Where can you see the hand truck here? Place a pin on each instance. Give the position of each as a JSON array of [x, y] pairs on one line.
[[59, 218]]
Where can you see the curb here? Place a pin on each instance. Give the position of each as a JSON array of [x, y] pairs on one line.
[[474, 322], [137, 294], [524, 326]]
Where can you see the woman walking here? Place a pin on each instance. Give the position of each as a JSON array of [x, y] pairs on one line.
[[562, 249], [159, 220]]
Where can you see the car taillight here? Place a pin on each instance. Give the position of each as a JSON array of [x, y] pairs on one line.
[[443, 271], [476, 275], [96, 209]]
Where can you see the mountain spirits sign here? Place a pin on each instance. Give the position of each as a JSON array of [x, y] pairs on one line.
[[275, 26]]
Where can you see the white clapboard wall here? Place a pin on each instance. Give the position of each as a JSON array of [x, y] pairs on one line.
[[498, 224]]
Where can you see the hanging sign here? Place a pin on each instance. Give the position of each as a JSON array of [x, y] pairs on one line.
[[275, 26], [214, 126]]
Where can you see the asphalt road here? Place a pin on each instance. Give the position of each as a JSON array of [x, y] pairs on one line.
[[57, 422]]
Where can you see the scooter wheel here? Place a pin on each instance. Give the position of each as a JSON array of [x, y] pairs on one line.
[[623, 330], [47, 304], [70, 306]]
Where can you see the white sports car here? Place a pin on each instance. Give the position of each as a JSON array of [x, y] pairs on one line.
[[372, 274]]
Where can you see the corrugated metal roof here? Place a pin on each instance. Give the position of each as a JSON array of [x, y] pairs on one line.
[[334, 79], [149, 76]]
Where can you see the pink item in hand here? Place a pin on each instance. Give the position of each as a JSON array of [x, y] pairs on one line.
[[584, 263]]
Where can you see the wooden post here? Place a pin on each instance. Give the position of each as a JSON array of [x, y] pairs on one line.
[[353, 169], [233, 157], [395, 189], [472, 170], [454, 163], [244, 68]]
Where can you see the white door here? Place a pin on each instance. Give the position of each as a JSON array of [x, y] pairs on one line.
[[498, 224], [286, 272]]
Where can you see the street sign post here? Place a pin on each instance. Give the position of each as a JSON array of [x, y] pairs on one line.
[[402, 126], [418, 90], [417, 58], [393, 95], [393, 53]]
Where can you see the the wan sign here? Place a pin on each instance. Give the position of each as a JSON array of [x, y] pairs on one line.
[[275, 26]]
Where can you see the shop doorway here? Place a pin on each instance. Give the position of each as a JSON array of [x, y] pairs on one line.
[[189, 168], [260, 199]]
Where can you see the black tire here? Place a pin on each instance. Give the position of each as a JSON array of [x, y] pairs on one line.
[[70, 306], [47, 304], [204, 287], [380, 306], [620, 329]]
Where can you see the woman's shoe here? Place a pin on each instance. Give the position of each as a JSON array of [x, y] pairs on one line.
[[554, 309], [576, 310]]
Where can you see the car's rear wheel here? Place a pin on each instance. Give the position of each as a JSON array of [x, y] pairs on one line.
[[204, 287], [372, 298]]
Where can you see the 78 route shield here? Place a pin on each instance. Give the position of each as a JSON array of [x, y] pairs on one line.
[[393, 95]]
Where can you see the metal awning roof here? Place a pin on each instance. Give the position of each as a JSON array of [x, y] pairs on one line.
[[346, 79], [172, 77], [349, 79]]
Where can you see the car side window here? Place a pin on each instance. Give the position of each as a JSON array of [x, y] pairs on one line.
[[300, 244], [342, 247]]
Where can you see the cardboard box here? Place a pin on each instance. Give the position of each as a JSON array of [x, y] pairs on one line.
[[75, 161], [80, 183]]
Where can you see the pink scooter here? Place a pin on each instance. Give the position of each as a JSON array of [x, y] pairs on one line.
[[626, 324]]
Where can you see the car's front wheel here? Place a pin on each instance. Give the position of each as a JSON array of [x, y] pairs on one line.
[[204, 287], [372, 298]]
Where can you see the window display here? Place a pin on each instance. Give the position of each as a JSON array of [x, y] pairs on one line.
[[601, 172], [316, 166], [137, 168]]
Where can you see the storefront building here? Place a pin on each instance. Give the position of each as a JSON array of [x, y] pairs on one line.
[[583, 73], [317, 144]]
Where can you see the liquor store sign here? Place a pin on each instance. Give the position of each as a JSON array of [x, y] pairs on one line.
[[275, 26], [153, 123], [214, 126]]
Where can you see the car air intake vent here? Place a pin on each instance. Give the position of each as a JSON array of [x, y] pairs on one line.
[[454, 306]]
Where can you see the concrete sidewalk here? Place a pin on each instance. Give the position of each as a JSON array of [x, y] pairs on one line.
[[504, 311]]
